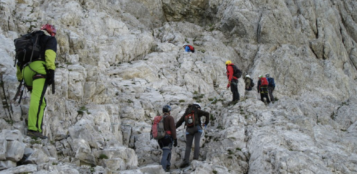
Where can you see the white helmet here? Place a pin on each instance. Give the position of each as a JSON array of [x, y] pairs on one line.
[[197, 105], [247, 76]]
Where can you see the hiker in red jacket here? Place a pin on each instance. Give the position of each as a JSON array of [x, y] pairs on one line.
[[262, 88], [233, 80]]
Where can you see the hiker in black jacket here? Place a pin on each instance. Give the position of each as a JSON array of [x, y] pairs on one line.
[[193, 130]]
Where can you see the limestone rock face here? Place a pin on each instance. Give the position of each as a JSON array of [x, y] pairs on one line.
[[119, 62]]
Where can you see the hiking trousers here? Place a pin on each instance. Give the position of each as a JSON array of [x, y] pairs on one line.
[[193, 133], [234, 89], [264, 95], [270, 92], [166, 153], [34, 76]]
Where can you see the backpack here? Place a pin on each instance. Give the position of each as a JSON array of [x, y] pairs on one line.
[[191, 48], [264, 81], [157, 129], [191, 117], [236, 72], [251, 83], [27, 48], [271, 82]]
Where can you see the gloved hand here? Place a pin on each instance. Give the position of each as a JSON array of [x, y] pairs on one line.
[[50, 77], [175, 142], [228, 85]]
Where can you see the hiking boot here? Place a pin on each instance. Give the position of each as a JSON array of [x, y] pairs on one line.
[[167, 169], [184, 164], [35, 134]]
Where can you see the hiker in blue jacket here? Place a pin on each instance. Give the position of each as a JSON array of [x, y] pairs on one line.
[[271, 87], [189, 48]]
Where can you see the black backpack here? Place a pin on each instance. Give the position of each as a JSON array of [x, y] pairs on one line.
[[236, 72], [251, 83], [27, 48]]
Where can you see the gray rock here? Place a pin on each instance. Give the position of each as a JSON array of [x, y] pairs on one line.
[[3, 147], [29, 168], [6, 164], [14, 150]]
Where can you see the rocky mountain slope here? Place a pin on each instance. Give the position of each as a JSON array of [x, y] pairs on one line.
[[119, 61]]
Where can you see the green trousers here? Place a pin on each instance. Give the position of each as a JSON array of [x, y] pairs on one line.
[[35, 79]]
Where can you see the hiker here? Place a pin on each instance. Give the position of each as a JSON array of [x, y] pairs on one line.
[[233, 73], [262, 88], [189, 48], [248, 83], [192, 119], [169, 139], [271, 87], [37, 75]]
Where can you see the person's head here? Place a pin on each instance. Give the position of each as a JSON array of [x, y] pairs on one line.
[[228, 62], [247, 76], [261, 76], [166, 109], [197, 105], [51, 29], [267, 75]]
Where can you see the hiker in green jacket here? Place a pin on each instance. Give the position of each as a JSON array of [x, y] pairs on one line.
[[37, 75], [192, 119]]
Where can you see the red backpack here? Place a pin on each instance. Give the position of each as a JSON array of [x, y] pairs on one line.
[[190, 119], [264, 81], [157, 129]]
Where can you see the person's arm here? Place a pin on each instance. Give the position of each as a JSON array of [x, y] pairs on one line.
[[181, 120], [230, 73], [50, 53], [173, 128], [205, 114], [18, 73]]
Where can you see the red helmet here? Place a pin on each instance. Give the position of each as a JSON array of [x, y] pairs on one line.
[[50, 29]]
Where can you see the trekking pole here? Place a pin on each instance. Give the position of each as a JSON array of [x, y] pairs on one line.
[[53, 86], [19, 92]]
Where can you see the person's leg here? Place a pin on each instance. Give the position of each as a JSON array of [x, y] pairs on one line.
[[267, 98], [189, 140], [233, 94], [166, 154], [197, 144], [262, 97], [37, 105], [272, 99], [234, 89], [269, 93]]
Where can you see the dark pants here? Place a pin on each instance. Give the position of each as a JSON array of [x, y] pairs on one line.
[[193, 133], [166, 146], [270, 91], [234, 89], [264, 94]]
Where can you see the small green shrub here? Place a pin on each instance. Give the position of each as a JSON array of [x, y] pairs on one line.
[[103, 156]]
